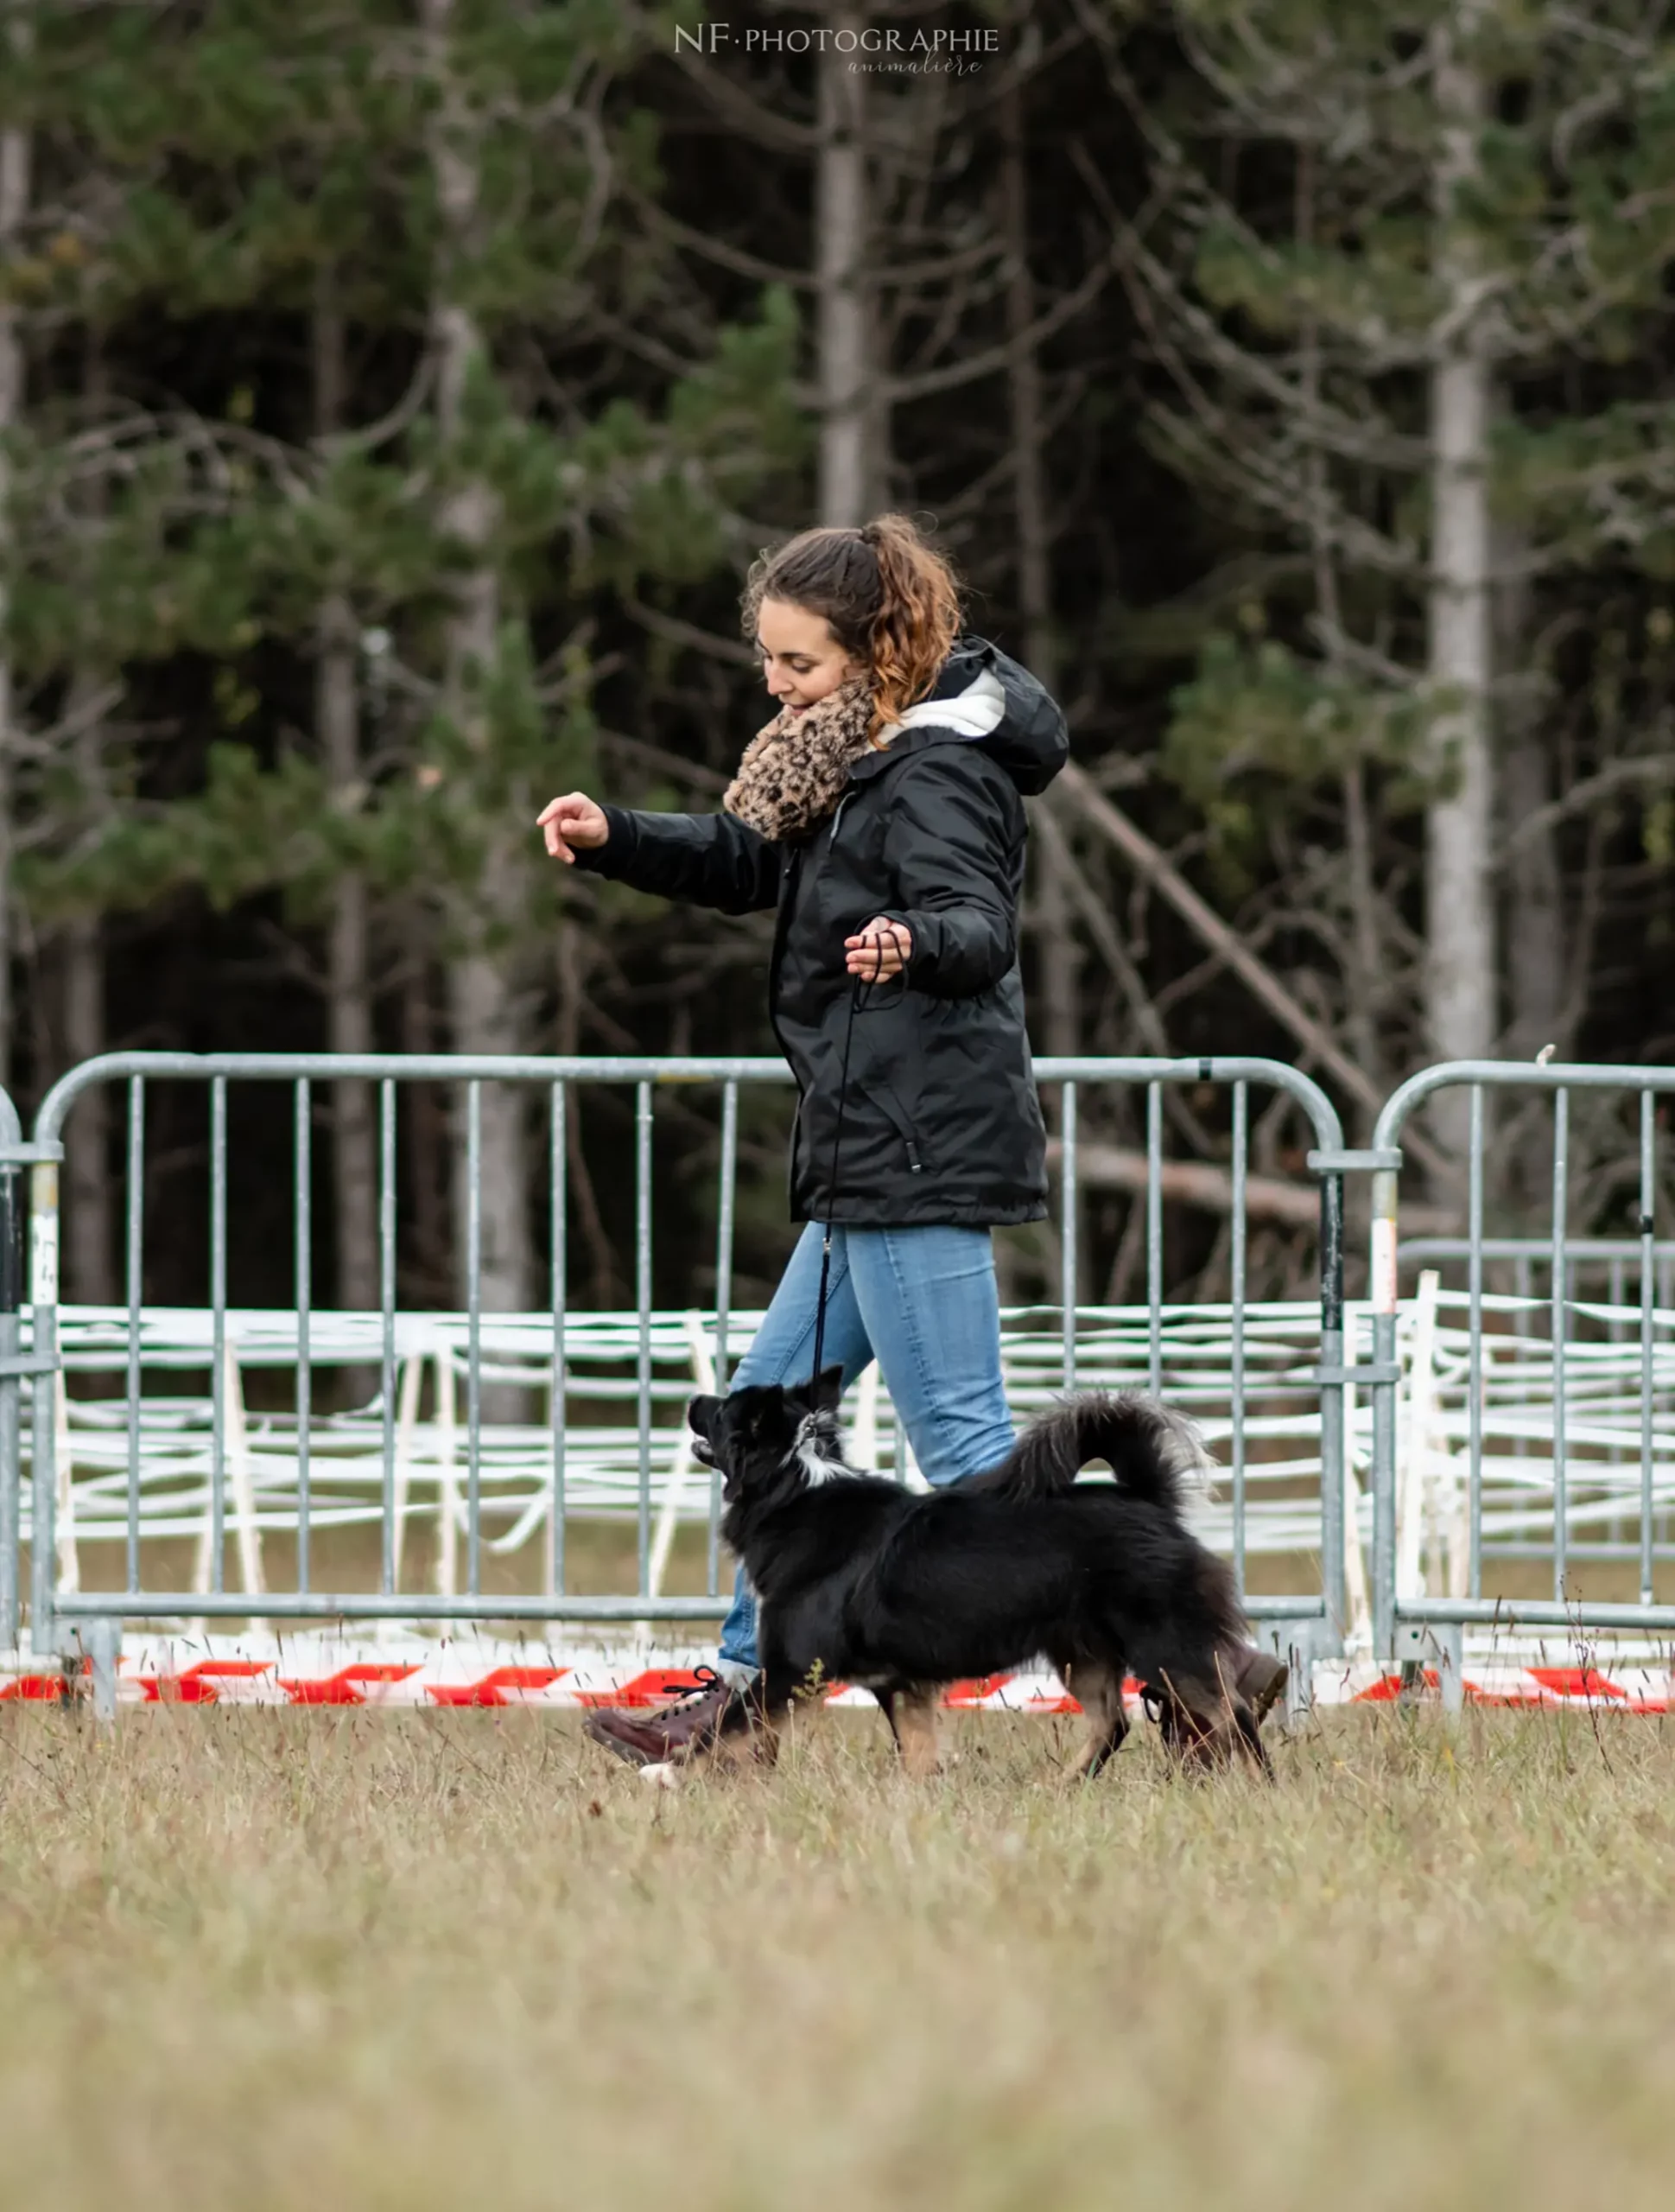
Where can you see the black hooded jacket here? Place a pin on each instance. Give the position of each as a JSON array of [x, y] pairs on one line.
[[941, 1122]]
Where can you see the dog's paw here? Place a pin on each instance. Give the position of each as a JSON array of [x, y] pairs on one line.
[[661, 1774]]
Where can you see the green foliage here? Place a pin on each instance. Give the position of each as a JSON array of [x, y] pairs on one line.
[[265, 158], [1329, 221], [1257, 705], [1258, 725]]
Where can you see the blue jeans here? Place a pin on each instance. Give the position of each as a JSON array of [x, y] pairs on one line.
[[922, 1301]]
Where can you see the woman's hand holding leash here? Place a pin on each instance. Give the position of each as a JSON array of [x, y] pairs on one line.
[[882, 950], [572, 824]]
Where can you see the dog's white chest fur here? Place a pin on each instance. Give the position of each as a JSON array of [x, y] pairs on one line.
[[819, 1463]]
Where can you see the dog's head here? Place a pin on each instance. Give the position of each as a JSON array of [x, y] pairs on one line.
[[766, 1437]]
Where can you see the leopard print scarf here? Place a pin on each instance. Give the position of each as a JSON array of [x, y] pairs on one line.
[[794, 768]]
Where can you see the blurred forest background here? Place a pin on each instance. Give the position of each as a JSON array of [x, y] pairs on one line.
[[391, 399]]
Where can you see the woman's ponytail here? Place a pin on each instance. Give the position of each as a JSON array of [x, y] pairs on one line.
[[891, 600], [918, 614]]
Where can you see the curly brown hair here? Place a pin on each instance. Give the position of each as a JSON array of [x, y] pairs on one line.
[[891, 600]]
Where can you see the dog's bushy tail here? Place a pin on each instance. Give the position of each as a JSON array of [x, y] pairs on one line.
[[1149, 1449]]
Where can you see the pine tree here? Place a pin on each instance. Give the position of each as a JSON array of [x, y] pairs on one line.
[[110, 497], [450, 185], [1436, 206], [16, 152]]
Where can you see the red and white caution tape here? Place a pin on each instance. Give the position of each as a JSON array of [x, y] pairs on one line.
[[476, 1675]]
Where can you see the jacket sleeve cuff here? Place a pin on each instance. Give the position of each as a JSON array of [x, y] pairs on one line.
[[616, 855], [918, 927]]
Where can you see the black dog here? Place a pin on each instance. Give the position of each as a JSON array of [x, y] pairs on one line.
[[859, 1580]]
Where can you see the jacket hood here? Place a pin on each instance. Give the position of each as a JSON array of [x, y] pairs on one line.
[[981, 696]]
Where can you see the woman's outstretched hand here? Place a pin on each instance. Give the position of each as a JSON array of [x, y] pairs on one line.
[[573, 823], [882, 950]]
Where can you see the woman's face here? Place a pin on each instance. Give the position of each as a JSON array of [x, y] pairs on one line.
[[801, 660]]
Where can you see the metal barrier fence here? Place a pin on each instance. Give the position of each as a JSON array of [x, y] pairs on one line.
[[1530, 1423], [1152, 1345], [1516, 1391], [1582, 1402], [13, 1367], [1610, 1261]]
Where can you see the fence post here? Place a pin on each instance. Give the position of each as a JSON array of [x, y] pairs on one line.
[[11, 1289], [102, 1648], [1333, 1441], [1451, 1666], [1385, 1385], [43, 1437], [1337, 1372]]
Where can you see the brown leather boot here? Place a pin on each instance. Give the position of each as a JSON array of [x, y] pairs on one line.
[[688, 1729]]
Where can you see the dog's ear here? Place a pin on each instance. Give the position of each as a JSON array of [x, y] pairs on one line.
[[829, 1388], [700, 1414]]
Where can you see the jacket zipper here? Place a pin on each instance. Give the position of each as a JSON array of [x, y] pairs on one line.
[[782, 928], [884, 1097], [915, 1164]]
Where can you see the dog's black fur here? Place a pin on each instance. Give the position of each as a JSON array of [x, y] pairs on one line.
[[859, 1580]]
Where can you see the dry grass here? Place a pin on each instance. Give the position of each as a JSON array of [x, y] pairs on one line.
[[253, 1960]]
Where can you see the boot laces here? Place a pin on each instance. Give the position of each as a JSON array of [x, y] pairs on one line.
[[704, 1683]]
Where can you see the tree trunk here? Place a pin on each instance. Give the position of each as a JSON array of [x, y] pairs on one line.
[[349, 1029], [92, 1224], [850, 431], [1363, 962], [1057, 953], [348, 987], [426, 1178], [483, 1004], [1532, 895], [90, 1228], [1535, 906], [13, 201], [1460, 973], [1029, 485], [486, 1017]]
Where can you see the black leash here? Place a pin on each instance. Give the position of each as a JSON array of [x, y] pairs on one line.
[[858, 991]]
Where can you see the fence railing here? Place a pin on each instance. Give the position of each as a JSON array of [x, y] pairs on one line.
[[1608, 1263], [12, 1365], [514, 1475], [1591, 1400], [1521, 1413]]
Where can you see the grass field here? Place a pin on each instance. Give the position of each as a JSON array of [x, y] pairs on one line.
[[265, 1959]]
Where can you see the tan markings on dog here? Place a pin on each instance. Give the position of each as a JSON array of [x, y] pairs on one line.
[[1098, 1691], [912, 1717], [805, 1707]]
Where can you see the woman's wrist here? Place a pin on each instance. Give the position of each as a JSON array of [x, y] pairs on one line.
[[881, 950], [592, 859]]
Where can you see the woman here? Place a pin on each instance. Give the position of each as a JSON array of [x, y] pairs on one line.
[[881, 811]]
